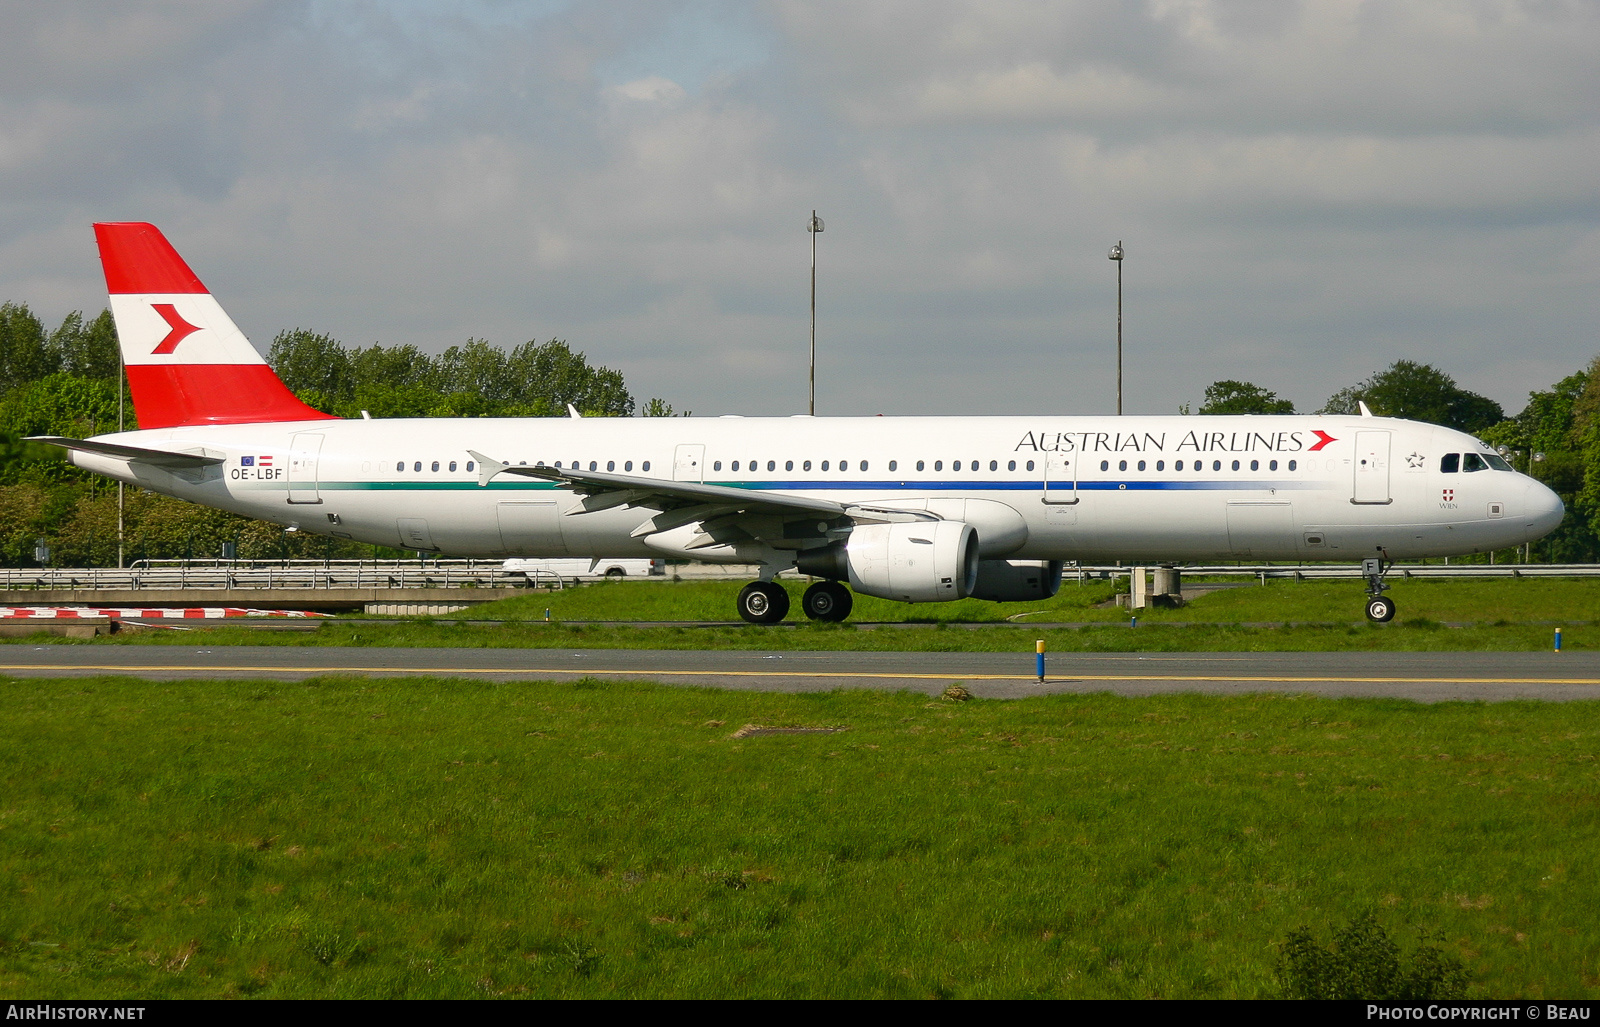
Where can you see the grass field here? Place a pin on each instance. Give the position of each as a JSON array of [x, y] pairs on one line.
[[456, 839], [1484, 615]]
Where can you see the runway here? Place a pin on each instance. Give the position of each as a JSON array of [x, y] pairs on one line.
[[1425, 677]]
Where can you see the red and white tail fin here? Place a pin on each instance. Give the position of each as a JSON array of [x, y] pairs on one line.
[[187, 362]]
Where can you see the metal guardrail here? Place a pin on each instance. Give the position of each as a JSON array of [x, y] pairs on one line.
[[304, 574]]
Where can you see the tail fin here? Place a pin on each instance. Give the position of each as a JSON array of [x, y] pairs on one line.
[[187, 363]]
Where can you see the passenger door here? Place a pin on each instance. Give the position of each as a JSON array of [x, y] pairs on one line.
[[1371, 468]]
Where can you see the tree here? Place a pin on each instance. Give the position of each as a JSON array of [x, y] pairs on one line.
[[548, 377], [25, 354], [1231, 397], [314, 367], [87, 349], [1418, 392]]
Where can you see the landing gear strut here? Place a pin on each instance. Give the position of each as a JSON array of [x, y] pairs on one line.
[[763, 602], [827, 601], [1380, 608]]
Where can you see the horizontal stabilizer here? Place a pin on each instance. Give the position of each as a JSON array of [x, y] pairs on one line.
[[154, 457]]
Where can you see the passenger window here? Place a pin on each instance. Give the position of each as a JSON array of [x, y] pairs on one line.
[[1450, 463], [894, 465], [417, 466], [1236, 465], [1011, 465], [469, 465], [1273, 466], [1161, 465], [716, 465], [1293, 464], [452, 465], [1216, 465], [436, 465], [919, 465], [955, 465], [1122, 465], [611, 465], [400, 466], [558, 464], [1030, 465], [824, 465], [645, 465], [1178, 466], [994, 465], [863, 465], [1255, 465], [806, 466], [1105, 465], [772, 465], [938, 465], [1141, 465], [788, 465], [627, 466], [1473, 462]]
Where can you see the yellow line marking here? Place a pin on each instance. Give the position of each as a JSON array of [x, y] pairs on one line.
[[909, 675]]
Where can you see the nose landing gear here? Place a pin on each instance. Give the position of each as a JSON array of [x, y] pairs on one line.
[[1380, 608]]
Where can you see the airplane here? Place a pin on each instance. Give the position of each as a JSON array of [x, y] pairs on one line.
[[914, 509]]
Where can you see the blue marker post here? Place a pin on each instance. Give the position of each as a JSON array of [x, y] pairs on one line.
[[1038, 648], [1558, 640], [547, 615]]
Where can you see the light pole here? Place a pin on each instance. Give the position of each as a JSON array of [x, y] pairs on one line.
[[814, 227], [1116, 255]]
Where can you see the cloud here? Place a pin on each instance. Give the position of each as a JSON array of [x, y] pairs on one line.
[[1307, 191]]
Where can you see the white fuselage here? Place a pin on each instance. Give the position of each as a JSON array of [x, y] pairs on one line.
[[1092, 489]]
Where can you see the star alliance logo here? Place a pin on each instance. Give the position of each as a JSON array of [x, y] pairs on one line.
[[1415, 460]]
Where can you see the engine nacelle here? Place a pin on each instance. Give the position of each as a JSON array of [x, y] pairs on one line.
[[913, 562], [1017, 581]]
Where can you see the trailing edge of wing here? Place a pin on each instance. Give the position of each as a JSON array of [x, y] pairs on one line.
[[154, 457]]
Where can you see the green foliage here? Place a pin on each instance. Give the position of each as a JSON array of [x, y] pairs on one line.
[[1363, 963], [1418, 392], [1231, 397], [472, 380]]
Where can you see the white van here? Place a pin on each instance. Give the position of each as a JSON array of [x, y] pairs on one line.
[[552, 570]]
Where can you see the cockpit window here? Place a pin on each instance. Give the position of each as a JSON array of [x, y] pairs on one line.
[[1473, 462], [1450, 463], [1497, 461]]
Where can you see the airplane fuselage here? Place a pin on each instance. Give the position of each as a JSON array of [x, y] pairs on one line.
[[1093, 489]]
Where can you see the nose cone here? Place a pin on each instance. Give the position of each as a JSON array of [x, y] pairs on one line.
[[1544, 510]]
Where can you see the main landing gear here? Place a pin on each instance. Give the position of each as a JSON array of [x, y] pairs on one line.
[[1380, 608], [766, 602], [763, 602]]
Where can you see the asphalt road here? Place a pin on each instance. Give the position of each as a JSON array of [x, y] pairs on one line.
[[1426, 677]]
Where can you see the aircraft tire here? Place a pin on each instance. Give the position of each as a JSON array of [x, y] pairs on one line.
[[827, 601], [1380, 609], [763, 602]]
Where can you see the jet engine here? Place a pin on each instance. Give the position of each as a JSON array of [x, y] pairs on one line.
[[1017, 581], [913, 562]]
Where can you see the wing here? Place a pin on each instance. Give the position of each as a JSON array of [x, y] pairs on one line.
[[155, 457], [726, 515]]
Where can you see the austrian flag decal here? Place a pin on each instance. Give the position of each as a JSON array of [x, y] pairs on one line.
[[1449, 495]]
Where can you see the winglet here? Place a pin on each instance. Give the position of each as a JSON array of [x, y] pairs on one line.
[[1364, 411], [573, 411], [488, 467]]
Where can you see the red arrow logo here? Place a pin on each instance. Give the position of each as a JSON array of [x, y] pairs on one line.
[[181, 329], [1324, 436]]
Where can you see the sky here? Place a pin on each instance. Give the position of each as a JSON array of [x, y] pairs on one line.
[[1305, 192]]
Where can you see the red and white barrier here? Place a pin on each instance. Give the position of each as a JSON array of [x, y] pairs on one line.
[[157, 613]]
